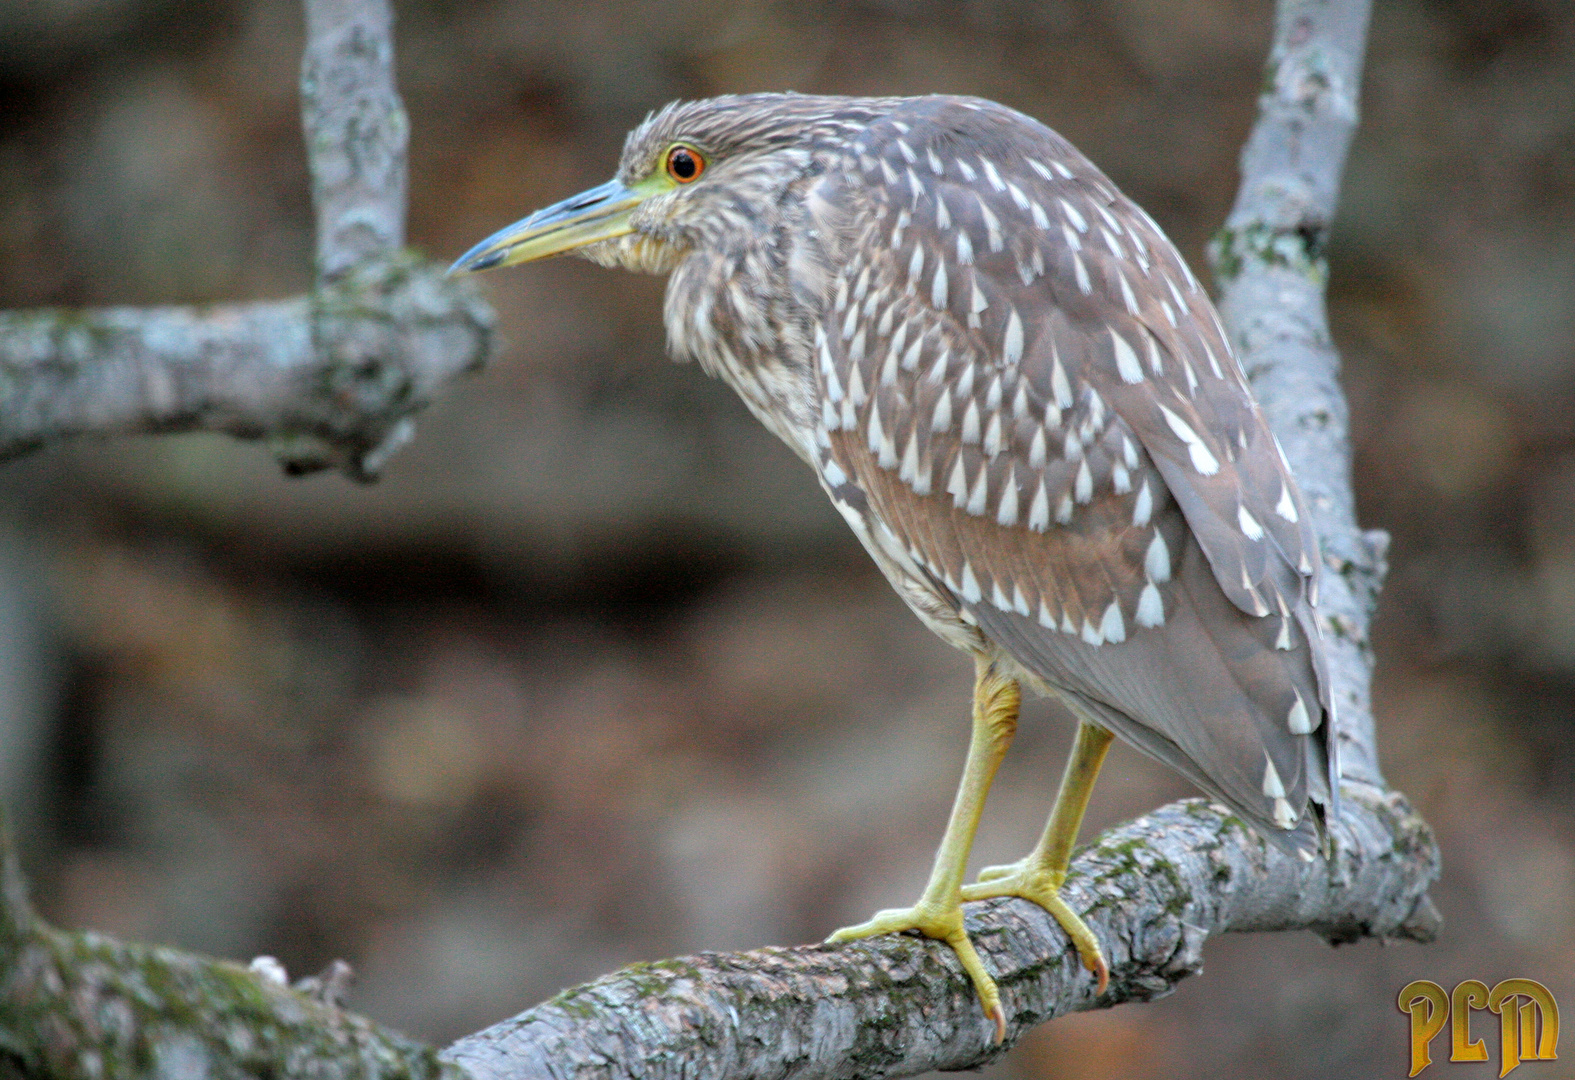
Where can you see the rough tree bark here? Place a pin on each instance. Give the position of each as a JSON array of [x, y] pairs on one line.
[[331, 379], [1154, 890]]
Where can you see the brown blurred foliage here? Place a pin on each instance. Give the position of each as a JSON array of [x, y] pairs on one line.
[[594, 675]]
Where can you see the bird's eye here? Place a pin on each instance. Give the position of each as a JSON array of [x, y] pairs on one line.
[[684, 164]]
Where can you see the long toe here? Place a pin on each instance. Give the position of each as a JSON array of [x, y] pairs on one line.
[[944, 924], [1039, 889]]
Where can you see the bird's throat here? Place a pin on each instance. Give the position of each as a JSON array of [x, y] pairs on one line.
[[639, 252]]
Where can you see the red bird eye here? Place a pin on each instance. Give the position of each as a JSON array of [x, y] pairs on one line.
[[684, 164]]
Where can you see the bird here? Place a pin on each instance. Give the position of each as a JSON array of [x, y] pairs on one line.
[[1023, 402]]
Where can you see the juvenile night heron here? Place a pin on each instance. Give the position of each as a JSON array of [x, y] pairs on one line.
[[1018, 395]]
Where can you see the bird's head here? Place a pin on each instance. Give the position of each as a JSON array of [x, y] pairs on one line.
[[695, 174]]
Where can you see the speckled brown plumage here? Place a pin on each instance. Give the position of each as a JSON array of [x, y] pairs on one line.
[[1020, 396], [1023, 403]]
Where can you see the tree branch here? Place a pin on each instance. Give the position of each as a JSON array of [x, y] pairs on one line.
[[356, 132], [84, 1005], [1153, 890], [332, 379]]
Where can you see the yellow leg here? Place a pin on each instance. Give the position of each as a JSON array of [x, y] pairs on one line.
[[938, 914], [1039, 876]]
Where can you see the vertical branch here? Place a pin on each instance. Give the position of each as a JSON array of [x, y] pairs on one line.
[[1269, 262], [356, 142], [356, 132]]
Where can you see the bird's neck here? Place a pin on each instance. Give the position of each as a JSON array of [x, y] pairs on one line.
[[724, 310]]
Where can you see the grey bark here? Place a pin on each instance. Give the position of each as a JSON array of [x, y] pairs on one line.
[[332, 379], [1153, 890], [356, 132], [85, 1005]]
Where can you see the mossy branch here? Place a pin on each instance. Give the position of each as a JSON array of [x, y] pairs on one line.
[[1153, 891], [329, 380], [84, 1005]]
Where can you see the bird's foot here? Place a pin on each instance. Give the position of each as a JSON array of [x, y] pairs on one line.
[[1043, 886], [944, 922]]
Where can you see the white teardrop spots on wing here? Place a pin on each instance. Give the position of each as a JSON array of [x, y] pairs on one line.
[[856, 386], [1151, 607], [1156, 562], [1112, 627], [970, 423], [1084, 285], [957, 483], [991, 175], [1036, 448], [1020, 601], [980, 493], [1059, 384], [1127, 365], [992, 227], [1286, 507], [1299, 720], [1202, 459], [993, 442], [1007, 512], [1143, 505], [1127, 296], [1273, 787], [1249, 524], [941, 418], [1012, 342], [1039, 509]]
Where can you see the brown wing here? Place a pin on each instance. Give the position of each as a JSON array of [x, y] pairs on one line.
[[1037, 400]]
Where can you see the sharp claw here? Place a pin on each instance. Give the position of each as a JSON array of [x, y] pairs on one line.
[[999, 1016], [1101, 970]]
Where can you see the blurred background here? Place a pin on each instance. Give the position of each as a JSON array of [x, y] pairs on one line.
[[595, 675]]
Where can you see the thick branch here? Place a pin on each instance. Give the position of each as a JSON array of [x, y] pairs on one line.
[[1154, 890], [84, 1005], [390, 334]]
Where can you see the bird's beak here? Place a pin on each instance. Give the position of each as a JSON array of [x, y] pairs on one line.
[[602, 213]]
